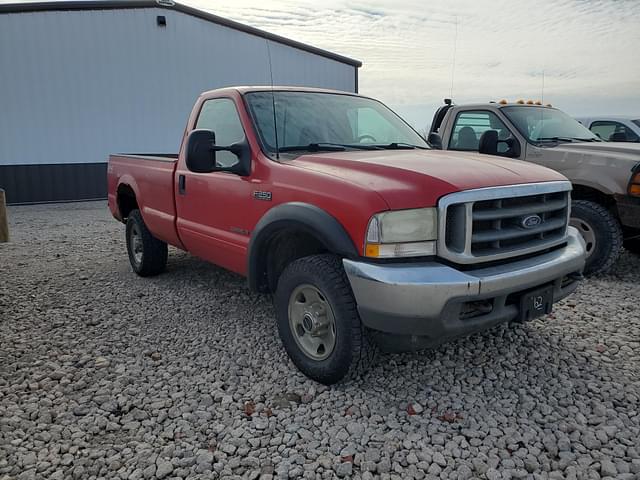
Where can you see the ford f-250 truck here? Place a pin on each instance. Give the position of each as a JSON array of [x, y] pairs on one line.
[[364, 235], [605, 176]]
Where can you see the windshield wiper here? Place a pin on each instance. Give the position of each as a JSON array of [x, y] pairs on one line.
[[401, 146], [554, 139], [341, 147], [587, 139], [566, 139], [313, 147], [327, 146]]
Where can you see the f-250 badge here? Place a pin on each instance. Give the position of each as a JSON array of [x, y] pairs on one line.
[[262, 195]]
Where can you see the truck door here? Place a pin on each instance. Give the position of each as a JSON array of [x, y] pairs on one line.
[[210, 206]]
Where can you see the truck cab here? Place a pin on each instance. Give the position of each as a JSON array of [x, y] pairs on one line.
[[605, 176]]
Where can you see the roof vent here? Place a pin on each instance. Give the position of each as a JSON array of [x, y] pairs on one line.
[[166, 3]]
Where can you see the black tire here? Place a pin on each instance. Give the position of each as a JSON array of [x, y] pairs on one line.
[[151, 259], [353, 351], [601, 231]]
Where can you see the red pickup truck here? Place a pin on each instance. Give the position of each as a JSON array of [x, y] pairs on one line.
[[365, 236]]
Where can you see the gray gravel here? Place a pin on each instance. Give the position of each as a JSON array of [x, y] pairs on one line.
[[107, 375]]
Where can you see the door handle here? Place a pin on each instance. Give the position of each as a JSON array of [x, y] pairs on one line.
[[181, 184]]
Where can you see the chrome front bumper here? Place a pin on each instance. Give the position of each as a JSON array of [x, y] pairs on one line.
[[426, 299]]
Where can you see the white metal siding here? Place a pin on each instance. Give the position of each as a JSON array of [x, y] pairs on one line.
[[78, 85]]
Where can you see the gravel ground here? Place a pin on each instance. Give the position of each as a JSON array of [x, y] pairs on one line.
[[107, 375]]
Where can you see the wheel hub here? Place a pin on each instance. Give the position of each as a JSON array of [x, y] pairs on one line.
[[312, 322], [307, 323], [587, 232], [136, 244]]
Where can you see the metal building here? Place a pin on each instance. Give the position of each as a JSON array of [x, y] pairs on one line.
[[80, 80]]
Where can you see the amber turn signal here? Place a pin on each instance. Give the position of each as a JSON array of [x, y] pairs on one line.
[[634, 185], [372, 250]]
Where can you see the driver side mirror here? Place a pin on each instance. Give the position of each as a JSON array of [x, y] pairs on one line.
[[435, 141], [489, 145], [201, 154], [513, 147]]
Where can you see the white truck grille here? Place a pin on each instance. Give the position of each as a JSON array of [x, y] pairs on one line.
[[495, 223]]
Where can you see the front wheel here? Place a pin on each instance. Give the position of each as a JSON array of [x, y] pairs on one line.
[[601, 233], [318, 320]]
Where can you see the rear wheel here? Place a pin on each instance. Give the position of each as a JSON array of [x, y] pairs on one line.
[[318, 320], [147, 254], [601, 232]]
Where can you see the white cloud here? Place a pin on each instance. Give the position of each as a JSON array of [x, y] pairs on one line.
[[587, 49]]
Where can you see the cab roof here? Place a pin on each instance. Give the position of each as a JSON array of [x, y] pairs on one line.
[[608, 117], [276, 88], [498, 105]]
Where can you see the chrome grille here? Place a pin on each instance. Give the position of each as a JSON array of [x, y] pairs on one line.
[[501, 222]]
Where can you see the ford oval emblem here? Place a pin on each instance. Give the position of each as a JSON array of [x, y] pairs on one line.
[[530, 221]]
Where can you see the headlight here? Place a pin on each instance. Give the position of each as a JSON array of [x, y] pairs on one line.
[[402, 233]]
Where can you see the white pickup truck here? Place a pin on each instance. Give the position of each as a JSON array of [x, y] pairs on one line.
[[605, 175], [614, 128]]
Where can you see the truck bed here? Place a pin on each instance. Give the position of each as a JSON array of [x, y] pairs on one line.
[[151, 179]]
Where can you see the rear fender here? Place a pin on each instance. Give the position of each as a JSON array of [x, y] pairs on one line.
[[128, 180]]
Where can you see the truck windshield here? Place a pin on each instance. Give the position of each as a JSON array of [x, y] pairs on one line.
[[314, 121], [543, 125]]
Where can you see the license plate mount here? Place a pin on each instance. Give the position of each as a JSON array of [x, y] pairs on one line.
[[536, 303]]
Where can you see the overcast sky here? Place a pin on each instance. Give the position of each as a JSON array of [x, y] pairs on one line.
[[588, 50]]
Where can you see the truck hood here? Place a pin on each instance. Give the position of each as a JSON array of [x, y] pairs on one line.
[[418, 178], [617, 147], [603, 166]]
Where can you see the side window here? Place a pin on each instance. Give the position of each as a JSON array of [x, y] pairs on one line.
[[613, 131], [221, 116], [470, 125]]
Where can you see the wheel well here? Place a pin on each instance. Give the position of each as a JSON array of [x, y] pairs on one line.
[[581, 192], [284, 247], [126, 201]]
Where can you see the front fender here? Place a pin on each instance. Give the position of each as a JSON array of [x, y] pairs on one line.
[[299, 216]]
